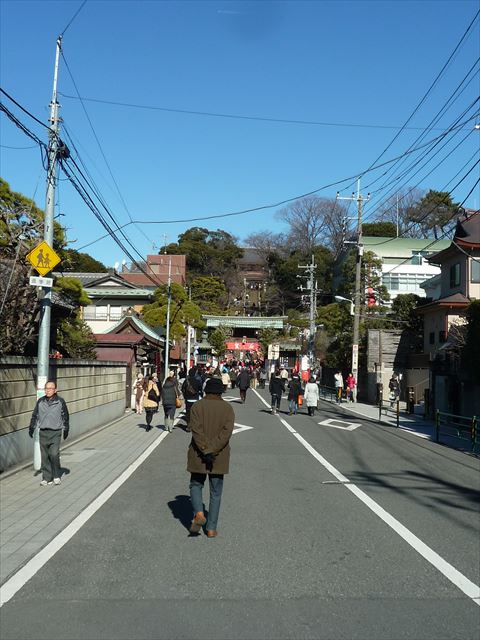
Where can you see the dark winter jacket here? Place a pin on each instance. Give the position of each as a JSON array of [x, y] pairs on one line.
[[192, 388], [169, 393], [294, 389], [276, 386], [243, 380]]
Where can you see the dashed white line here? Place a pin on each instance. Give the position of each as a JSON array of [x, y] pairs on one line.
[[457, 578]]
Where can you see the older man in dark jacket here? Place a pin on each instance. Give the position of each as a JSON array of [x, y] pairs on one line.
[[211, 423], [50, 415]]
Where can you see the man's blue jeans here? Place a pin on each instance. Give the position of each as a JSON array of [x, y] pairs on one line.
[[292, 406], [197, 480]]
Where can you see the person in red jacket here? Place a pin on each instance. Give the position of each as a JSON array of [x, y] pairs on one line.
[[351, 384]]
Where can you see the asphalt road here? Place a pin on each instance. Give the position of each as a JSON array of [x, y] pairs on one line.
[[324, 532]]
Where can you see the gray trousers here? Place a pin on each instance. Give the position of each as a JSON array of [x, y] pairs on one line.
[[50, 451]]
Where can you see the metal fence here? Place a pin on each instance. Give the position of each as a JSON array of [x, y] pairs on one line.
[[327, 393], [461, 427]]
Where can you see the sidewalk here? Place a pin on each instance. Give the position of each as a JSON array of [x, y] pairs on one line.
[[31, 515], [414, 424]]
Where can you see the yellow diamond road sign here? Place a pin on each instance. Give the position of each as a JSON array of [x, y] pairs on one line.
[[43, 258]]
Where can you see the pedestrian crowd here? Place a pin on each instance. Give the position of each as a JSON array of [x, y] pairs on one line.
[[208, 418]]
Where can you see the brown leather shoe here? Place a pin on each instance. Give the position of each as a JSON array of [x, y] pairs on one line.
[[212, 534], [198, 521]]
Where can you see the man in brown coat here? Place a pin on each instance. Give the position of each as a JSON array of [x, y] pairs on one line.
[[211, 423]]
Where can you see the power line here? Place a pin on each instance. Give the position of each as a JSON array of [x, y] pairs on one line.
[[24, 110], [100, 146], [6, 146], [441, 72], [424, 217], [74, 16], [212, 114]]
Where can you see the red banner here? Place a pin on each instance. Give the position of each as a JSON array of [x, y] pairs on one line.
[[240, 346]]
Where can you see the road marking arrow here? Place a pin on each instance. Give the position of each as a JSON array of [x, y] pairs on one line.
[[346, 426], [231, 399], [241, 427]]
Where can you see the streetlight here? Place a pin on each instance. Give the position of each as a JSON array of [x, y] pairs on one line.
[[352, 304]]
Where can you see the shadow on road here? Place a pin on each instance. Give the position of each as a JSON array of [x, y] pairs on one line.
[[181, 509]]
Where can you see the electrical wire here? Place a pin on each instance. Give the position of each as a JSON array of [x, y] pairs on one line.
[[99, 145], [443, 234], [234, 116], [425, 216], [6, 146], [110, 231], [433, 84], [24, 109], [415, 163], [74, 16], [446, 106], [422, 179]]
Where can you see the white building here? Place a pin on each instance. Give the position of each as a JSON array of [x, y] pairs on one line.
[[404, 262]]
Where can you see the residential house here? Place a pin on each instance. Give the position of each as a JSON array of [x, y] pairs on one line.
[[459, 285], [405, 262]]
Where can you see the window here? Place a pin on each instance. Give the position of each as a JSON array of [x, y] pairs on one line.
[[390, 281], [431, 337], [475, 270], [95, 313], [455, 275], [115, 313]]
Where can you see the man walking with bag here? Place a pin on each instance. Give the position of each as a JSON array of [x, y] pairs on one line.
[[211, 424], [50, 415]]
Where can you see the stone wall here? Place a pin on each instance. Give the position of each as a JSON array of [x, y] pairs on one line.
[[95, 392]]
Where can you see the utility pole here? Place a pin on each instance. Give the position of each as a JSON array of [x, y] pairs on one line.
[[312, 286], [169, 300], [189, 335], [358, 281], [46, 302]]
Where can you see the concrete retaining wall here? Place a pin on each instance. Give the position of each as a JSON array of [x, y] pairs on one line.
[[95, 392]]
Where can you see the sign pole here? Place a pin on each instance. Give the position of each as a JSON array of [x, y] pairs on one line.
[[46, 302]]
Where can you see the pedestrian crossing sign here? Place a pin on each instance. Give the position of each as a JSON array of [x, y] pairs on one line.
[[43, 258]]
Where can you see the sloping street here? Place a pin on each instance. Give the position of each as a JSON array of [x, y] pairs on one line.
[[345, 529]]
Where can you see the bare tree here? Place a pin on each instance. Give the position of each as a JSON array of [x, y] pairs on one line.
[[306, 220], [267, 242], [314, 221]]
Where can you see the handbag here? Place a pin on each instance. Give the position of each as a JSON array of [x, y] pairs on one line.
[[178, 402], [300, 400]]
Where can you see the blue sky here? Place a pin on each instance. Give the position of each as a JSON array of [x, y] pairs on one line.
[[367, 63]]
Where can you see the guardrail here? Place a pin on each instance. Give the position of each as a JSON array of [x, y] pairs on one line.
[[327, 393], [462, 427], [389, 406]]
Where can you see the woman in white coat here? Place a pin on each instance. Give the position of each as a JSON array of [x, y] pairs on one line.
[[311, 396]]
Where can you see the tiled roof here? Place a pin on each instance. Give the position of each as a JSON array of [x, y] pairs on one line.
[[118, 292], [247, 322], [401, 247], [118, 338], [455, 300], [139, 324]]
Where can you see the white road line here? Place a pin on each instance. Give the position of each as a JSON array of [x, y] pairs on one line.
[[457, 578], [19, 579]]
